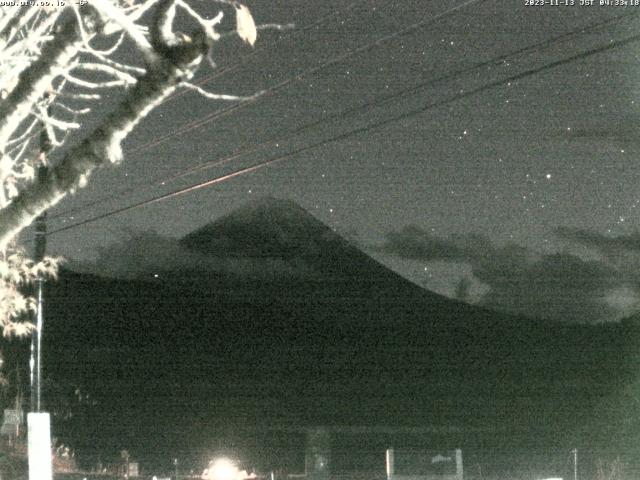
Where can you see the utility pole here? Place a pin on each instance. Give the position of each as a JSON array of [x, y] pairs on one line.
[[575, 463], [35, 361], [40, 246], [38, 422]]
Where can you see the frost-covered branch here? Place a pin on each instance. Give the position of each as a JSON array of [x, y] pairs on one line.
[[107, 70], [55, 65], [35, 80], [111, 12], [217, 96], [173, 64]]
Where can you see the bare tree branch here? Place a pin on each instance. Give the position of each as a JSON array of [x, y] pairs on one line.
[[47, 56], [103, 145], [36, 79]]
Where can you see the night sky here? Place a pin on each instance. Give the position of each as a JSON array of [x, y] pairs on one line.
[[521, 195]]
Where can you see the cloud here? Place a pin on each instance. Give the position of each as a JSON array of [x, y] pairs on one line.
[[414, 243], [621, 252], [558, 286], [606, 245], [463, 290], [148, 253]]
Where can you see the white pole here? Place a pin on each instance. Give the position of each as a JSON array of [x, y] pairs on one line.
[[39, 431], [390, 463], [459, 470]]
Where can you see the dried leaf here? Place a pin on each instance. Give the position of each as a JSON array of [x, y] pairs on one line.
[[245, 25], [22, 329], [8, 87], [10, 187], [28, 172], [19, 304]]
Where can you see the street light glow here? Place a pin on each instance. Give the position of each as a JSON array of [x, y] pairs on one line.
[[223, 469]]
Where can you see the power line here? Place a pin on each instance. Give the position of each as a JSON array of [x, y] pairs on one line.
[[360, 108], [332, 61], [164, 197], [261, 48], [208, 118], [357, 131]]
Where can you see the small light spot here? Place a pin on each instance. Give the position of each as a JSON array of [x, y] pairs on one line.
[[548, 176]]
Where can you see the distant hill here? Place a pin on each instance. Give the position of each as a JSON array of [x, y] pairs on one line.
[[279, 320]]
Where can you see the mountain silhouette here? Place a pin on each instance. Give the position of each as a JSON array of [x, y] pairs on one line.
[[267, 227], [282, 321], [315, 256]]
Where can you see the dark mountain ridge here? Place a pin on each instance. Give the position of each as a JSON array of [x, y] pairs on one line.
[[331, 337]]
